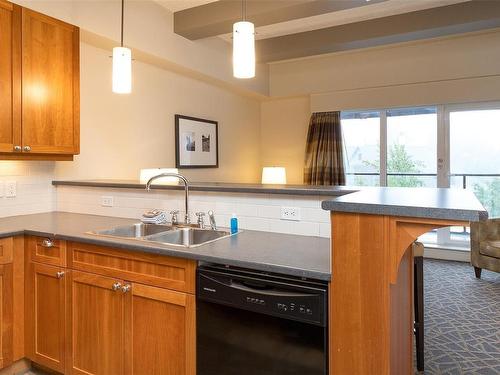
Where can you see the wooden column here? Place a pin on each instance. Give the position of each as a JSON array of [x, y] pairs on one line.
[[371, 322]]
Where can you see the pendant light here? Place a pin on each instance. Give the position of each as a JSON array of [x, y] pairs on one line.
[[243, 46], [122, 66]]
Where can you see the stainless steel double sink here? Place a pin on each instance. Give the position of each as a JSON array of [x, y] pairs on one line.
[[182, 236]]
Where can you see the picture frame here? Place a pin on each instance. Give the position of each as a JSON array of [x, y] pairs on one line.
[[196, 142]]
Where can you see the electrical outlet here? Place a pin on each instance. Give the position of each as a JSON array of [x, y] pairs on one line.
[[2, 189], [107, 201], [10, 189], [290, 213]]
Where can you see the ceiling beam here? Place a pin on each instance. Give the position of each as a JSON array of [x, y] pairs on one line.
[[217, 18], [429, 23]]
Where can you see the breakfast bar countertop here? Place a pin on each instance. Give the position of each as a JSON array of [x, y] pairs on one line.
[[302, 256], [429, 203]]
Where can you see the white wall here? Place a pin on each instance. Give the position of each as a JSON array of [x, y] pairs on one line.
[[465, 57], [149, 28], [120, 134], [284, 125], [459, 69]]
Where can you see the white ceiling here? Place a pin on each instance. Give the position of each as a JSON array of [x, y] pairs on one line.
[[177, 5]]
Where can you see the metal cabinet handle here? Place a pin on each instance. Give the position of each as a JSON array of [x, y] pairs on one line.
[[116, 286], [126, 288], [18, 148], [47, 242], [60, 274], [26, 148]]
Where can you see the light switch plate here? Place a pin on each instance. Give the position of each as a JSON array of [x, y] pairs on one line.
[[107, 201], [290, 213], [10, 189]]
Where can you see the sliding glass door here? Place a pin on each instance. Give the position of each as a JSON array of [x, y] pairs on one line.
[[455, 146]]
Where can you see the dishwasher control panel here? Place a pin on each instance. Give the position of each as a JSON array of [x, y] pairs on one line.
[[284, 298]]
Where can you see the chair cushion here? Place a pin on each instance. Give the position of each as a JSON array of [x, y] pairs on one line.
[[490, 248]]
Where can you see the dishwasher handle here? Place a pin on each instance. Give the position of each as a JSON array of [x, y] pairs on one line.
[[215, 285]]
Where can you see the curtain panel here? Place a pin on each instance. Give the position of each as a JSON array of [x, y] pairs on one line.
[[324, 160]]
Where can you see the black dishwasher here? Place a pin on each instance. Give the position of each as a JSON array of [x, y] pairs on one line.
[[255, 323]]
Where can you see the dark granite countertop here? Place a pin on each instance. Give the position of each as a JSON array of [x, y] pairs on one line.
[[219, 187], [432, 203], [272, 252]]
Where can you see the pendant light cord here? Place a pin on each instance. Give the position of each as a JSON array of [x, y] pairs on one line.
[[244, 10], [121, 38]]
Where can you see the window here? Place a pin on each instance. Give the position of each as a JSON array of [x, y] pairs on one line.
[[436, 146], [361, 132], [412, 147], [475, 154]]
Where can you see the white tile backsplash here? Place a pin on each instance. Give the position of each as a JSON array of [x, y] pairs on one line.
[[254, 211], [34, 190]]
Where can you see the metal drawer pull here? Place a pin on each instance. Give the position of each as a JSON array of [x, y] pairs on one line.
[[26, 148], [60, 274], [116, 286], [126, 288], [47, 243]]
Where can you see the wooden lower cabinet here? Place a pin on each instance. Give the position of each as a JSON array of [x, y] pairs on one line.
[[6, 298], [96, 325], [46, 315], [160, 332], [84, 323]]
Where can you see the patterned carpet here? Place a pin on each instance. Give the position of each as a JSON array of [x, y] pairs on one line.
[[462, 317]]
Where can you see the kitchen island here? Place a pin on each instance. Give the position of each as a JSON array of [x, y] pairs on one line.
[[370, 312]]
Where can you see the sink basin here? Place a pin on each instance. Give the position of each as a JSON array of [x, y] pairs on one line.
[[184, 236], [188, 237], [137, 230]]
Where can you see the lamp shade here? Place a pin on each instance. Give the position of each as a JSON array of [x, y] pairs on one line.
[[146, 174], [273, 175], [243, 50], [122, 70]]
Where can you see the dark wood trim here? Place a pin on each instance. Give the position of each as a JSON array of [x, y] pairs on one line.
[[177, 150]]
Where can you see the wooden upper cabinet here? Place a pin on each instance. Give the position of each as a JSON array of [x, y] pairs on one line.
[[50, 85], [10, 76]]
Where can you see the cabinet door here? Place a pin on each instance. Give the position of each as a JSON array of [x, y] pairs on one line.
[[50, 85], [96, 325], [45, 315], [160, 332], [10, 76], [6, 289]]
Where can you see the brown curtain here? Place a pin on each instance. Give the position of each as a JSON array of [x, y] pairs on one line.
[[324, 161]]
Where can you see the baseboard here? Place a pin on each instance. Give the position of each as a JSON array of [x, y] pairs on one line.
[[446, 254]]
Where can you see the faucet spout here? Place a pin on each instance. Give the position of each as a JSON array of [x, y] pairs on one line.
[[186, 190]]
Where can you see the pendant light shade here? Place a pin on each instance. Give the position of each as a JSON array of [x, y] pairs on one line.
[[243, 46], [122, 65], [122, 70]]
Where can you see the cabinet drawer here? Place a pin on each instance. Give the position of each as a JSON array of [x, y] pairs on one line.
[[151, 269], [46, 250], [6, 248]]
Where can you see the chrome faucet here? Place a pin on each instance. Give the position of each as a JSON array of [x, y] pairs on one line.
[[213, 224], [186, 190]]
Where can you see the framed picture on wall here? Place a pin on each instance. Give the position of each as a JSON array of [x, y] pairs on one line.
[[196, 142]]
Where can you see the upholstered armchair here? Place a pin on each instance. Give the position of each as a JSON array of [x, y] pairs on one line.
[[485, 245]]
